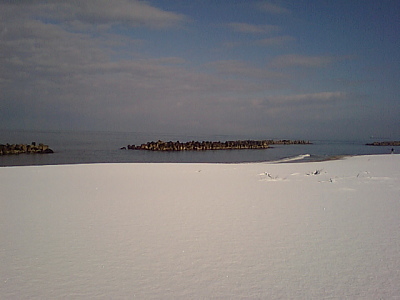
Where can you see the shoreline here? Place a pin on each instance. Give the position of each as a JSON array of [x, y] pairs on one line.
[[285, 160], [77, 148]]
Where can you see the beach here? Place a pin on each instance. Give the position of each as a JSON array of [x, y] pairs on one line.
[[312, 230]]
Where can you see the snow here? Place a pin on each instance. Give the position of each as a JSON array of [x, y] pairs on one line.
[[201, 231]]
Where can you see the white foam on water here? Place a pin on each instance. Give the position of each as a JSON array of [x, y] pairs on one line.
[[291, 159]]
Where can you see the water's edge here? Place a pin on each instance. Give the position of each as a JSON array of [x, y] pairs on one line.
[[104, 147]]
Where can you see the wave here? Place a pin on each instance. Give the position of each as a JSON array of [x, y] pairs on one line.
[[293, 158]]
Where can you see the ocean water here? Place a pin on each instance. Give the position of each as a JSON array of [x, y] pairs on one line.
[[82, 147]]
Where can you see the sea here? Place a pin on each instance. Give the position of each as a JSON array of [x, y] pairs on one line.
[[88, 147]]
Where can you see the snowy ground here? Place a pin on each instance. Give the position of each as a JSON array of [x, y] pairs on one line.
[[199, 231]]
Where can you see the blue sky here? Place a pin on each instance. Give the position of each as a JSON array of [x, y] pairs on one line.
[[288, 69]]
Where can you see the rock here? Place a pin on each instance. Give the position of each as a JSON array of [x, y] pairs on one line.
[[22, 148], [207, 145], [388, 143]]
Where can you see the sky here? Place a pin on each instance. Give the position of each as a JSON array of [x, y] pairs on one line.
[[301, 69]]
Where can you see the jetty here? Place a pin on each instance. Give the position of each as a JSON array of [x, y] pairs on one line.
[[12, 149], [387, 143], [209, 145]]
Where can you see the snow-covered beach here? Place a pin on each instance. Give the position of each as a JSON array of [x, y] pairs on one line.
[[198, 231]]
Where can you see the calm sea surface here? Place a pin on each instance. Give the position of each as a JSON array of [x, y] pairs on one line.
[[72, 147]]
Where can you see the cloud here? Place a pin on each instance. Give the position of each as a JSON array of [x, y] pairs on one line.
[[309, 106], [67, 65], [251, 28], [307, 98], [318, 114], [33, 47], [54, 78], [272, 8], [46, 49], [295, 60], [127, 12], [276, 41], [243, 69], [133, 13]]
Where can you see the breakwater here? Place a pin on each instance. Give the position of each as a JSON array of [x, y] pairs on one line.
[[388, 143], [9, 149], [208, 145]]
